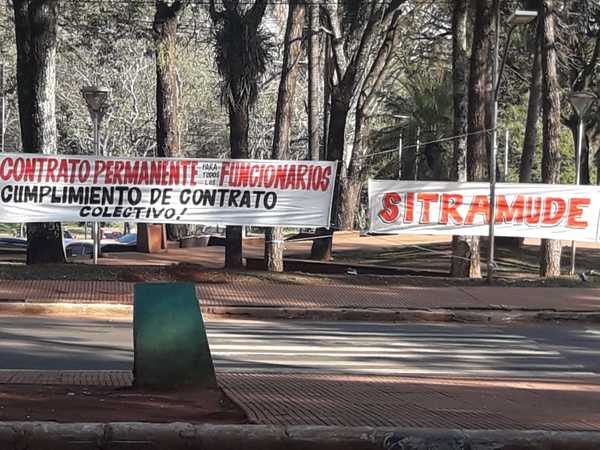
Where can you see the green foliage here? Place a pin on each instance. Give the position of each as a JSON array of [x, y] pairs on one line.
[[9, 229], [9, 59], [567, 153], [513, 118], [427, 100], [241, 54]]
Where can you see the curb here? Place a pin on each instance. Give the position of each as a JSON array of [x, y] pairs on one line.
[[404, 315], [67, 309], [125, 312], [175, 436]]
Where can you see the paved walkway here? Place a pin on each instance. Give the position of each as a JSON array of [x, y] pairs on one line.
[[415, 402], [319, 296], [355, 400]]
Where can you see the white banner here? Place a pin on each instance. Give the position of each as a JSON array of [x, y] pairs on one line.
[[550, 211], [38, 188]]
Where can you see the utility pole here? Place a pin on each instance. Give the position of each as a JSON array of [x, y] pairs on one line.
[[582, 102], [417, 153], [400, 157], [96, 99], [2, 107], [313, 80], [492, 163], [506, 149], [519, 17]]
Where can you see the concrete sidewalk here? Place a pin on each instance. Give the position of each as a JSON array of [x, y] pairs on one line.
[[384, 401], [326, 296]]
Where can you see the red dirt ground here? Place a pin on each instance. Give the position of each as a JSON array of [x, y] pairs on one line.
[[110, 404]]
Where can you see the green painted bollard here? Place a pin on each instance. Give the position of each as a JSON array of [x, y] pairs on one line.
[[169, 338]]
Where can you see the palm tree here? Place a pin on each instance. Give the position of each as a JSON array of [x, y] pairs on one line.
[[242, 52], [427, 100]]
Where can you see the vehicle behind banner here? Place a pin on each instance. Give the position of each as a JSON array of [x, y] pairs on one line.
[[42, 188], [550, 211]]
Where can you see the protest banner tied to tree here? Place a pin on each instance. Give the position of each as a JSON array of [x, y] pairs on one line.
[[522, 210], [250, 192]]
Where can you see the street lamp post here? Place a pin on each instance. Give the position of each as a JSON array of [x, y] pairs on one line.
[[402, 122], [506, 150], [519, 17], [417, 153], [96, 99], [2, 107], [582, 102]]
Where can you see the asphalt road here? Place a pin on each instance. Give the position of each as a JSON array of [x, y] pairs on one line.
[[291, 346]]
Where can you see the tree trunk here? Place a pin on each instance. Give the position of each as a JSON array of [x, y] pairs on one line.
[[168, 135], [234, 256], [358, 169], [238, 140], [478, 100], [478, 92], [357, 78], [274, 244], [240, 57], [597, 160], [167, 98], [327, 88], [313, 81], [321, 248], [36, 33], [533, 113], [489, 97], [352, 184], [551, 249], [349, 202], [460, 244], [340, 107]]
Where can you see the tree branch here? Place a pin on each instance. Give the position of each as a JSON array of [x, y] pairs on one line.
[[179, 6], [393, 8], [231, 5], [590, 67], [256, 13], [337, 47], [376, 75], [361, 54], [215, 15]]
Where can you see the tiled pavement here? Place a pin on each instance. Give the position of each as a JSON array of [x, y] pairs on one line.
[[318, 296], [354, 400], [415, 402], [116, 378], [66, 291]]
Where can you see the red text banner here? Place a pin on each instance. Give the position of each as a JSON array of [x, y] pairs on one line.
[[522, 210], [40, 188]]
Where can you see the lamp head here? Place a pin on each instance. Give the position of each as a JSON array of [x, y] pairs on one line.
[[402, 119], [96, 97], [522, 17], [582, 101]]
